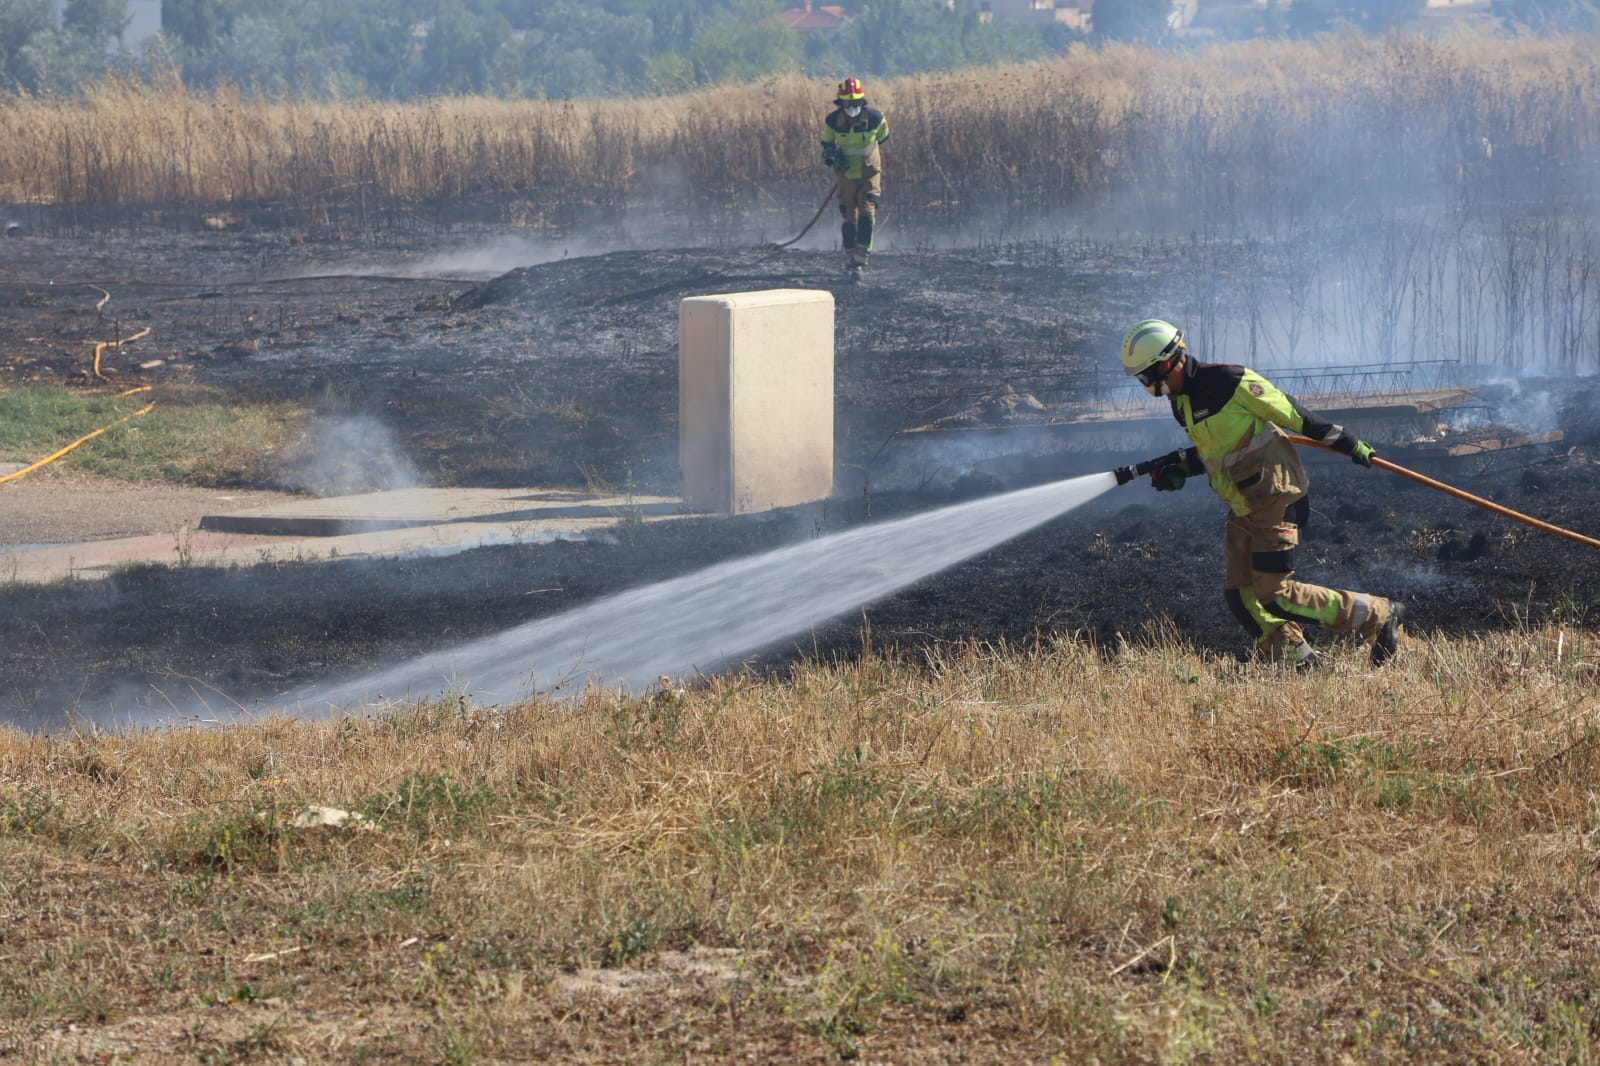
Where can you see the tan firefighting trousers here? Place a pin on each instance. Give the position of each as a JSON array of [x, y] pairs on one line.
[[1260, 568], [858, 207]]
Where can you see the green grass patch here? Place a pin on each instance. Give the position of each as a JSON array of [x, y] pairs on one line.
[[251, 838], [429, 803], [192, 436]]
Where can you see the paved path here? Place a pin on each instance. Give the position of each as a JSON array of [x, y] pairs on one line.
[[405, 522]]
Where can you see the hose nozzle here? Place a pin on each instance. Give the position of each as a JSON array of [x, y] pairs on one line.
[[1126, 474]]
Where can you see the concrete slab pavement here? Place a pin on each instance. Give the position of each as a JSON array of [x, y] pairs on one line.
[[399, 523]]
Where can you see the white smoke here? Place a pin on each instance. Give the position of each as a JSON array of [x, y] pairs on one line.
[[339, 457]]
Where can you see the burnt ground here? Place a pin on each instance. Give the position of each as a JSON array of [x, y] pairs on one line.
[[564, 374]]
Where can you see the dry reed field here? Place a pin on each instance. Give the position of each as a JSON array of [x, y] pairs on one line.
[[990, 855], [1277, 126]]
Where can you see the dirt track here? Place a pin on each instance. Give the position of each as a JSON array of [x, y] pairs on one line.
[[563, 374]]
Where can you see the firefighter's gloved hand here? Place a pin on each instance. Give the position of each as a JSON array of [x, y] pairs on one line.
[[1169, 478], [1347, 444]]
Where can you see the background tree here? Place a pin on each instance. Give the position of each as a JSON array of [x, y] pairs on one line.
[[199, 24], [569, 50], [1135, 21], [98, 21], [374, 37], [1377, 16], [747, 43], [1545, 16], [20, 21], [456, 56]]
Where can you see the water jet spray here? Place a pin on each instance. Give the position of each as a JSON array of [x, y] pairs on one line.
[[703, 621]]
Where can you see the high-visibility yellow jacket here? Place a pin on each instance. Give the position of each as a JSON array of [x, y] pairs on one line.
[[1233, 416], [857, 139]]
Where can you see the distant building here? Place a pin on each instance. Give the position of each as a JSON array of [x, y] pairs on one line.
[[1074, 13], [814, 19]]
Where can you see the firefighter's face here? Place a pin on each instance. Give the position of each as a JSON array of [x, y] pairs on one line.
[[1163, 378]]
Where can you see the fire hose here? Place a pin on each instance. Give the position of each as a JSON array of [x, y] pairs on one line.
[[53, 456], [99, 349], [1126, 474], [1460, 494], [820, 208]]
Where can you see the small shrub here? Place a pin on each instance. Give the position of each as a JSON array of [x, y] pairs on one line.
[[429, 803], [254, 838]]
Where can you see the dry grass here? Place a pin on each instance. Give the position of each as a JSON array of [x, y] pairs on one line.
[[996, 855], [1271, 124]]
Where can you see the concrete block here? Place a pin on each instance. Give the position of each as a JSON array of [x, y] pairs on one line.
[[755, 400]]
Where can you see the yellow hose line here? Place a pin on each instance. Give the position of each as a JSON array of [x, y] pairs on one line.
[[52, 458], [1451, 490], [101, 346]]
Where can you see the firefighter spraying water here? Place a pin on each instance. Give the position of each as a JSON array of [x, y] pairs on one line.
[[1236, 420]]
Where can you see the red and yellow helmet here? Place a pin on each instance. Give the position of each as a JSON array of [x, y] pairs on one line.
[[850, 91]]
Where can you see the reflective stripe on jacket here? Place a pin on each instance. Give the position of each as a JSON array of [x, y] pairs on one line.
[[857, 137]]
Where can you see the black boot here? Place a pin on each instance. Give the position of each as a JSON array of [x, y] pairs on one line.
[[864, 234], [1387, 642], [847, 233]]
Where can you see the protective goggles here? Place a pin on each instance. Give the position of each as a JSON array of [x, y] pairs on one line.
[[1159, 369], [1153, 373]]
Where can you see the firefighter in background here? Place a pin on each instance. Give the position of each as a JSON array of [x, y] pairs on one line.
[[1233, 415], [850, 137]]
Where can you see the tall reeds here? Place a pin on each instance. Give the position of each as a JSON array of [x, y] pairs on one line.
[[1265, 128]]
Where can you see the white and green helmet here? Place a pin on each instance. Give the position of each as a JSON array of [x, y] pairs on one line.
[[1148, 343]]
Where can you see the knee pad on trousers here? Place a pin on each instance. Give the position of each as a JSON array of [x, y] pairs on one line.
[[1278, 562]]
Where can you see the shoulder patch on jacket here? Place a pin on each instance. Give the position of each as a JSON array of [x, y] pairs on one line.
[[1256, 389]]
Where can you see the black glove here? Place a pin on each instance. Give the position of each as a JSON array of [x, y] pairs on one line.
[[1179, 460], [831, 156], [1169, 478]]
